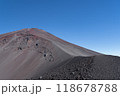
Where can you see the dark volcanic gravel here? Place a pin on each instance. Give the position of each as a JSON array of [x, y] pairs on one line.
[[102, 67]]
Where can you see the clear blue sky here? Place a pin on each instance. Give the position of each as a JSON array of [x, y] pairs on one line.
[[93, 24]]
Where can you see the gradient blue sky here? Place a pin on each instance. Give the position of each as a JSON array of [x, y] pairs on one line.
[[93, 24]]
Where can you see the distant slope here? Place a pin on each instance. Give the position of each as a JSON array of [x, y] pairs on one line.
[[30, 53]]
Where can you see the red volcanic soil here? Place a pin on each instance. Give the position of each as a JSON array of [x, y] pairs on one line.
[[37, 54]]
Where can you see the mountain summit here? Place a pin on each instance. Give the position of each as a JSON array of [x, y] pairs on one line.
[[37, 54]]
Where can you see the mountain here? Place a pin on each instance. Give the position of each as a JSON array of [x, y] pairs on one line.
[[36, 54]]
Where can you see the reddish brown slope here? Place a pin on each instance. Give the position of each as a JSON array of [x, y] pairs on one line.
[[31, 52]]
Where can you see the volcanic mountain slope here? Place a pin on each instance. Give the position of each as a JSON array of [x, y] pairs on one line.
[[36, 54]]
